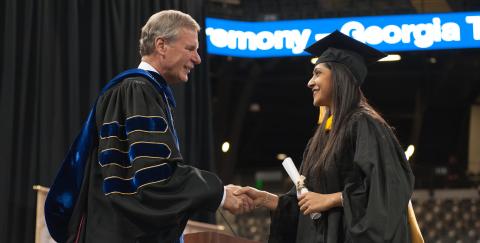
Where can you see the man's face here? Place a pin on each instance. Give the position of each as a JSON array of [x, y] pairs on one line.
[[181, 56]]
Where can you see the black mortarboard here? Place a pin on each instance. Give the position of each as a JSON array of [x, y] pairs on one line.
[[341, 48]]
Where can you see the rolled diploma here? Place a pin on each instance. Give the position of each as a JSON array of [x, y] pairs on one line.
[[295, 176]]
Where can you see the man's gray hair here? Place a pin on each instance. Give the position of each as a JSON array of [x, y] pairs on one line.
[[164, 24]]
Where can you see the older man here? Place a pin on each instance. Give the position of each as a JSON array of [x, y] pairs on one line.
[[123, 179]]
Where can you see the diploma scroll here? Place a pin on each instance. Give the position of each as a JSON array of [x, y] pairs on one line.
[[297, 180]]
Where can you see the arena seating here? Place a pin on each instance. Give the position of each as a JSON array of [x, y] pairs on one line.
[[444, 216]]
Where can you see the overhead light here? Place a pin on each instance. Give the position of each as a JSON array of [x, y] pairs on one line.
[[314, 60], [254, 107], [391, 58], [281, 156], [409, 151], [225, 147]]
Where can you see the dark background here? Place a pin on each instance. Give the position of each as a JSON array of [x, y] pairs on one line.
[[56, 55], [426, 96]]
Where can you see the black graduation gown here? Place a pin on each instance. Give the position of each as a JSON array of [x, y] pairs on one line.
[[136, 188], [376, 183]]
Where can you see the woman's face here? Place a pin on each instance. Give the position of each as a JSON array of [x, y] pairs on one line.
[[321, 85]]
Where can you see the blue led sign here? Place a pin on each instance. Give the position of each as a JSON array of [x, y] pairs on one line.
[[387, 33]]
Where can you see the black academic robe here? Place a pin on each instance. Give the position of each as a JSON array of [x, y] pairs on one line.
[[376, 183], [136, 188]]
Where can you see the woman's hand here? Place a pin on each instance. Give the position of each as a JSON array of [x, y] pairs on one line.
[[312, 202], [260, 198]]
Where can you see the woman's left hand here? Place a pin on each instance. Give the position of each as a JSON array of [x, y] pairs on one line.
[[312, 202]]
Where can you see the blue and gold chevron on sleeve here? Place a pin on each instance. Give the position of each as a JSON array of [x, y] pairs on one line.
[[113, 129], [141, 178], [125, 159], [148, 124]]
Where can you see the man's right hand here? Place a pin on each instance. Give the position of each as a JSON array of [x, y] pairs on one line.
[[237, 204]]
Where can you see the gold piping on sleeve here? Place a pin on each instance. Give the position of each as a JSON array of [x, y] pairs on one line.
[[115, 164], [108, 123], [134, 116], [127, 179], [138, 157], [144, 131], [138, 130], [122, 140], [138, 188], [145, 117], [126, 152]]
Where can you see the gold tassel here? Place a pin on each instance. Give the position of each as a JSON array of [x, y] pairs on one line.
[[321, 116], [328, 123]]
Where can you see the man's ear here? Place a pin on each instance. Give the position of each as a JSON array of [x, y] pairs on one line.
[[160, 45]]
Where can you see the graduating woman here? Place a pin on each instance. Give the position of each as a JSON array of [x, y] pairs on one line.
[[356, 171]]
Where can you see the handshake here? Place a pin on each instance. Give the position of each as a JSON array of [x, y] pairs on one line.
[[239, 200]]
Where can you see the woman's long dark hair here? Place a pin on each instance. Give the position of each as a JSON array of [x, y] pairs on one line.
[[347, 99]]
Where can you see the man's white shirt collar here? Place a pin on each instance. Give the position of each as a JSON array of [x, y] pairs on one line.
[[145, 66]]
